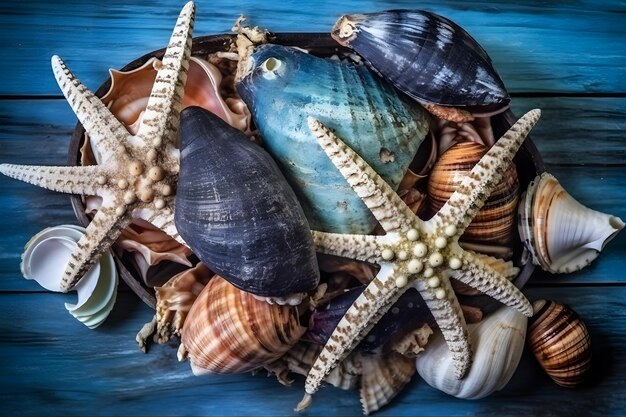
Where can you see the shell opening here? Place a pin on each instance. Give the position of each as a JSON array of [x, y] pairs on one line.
[[272, 68]]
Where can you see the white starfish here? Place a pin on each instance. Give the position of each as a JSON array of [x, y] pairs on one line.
[[137, 175], [415, 253]]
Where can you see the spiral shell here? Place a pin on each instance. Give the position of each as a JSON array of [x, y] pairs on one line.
[[228, 330], [495, 222], [560, 341]]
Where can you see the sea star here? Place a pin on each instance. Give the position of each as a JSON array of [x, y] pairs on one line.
[[137, 174], [415, 253]]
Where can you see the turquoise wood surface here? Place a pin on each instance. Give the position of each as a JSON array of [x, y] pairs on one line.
[[566, 57]]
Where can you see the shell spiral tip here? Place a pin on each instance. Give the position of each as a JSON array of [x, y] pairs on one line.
[[304, 403]]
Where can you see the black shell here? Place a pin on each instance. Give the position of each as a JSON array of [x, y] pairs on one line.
[[237, 213], [427, 56]]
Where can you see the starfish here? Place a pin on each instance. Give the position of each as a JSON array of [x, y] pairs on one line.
[[415, 253], [137, 174]]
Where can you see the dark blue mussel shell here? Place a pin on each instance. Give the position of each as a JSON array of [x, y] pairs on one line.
[[237, 213], [284, 86], [427, 56]]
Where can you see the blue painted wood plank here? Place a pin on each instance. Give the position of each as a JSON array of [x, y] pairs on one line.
[[575, 47], [52, 365]]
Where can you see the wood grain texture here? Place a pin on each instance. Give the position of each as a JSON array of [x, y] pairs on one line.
[[575, 47], [54, 365]]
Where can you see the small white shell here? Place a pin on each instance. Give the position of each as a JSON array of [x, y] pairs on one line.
[[44, 259], [498, 342], [561, 234]]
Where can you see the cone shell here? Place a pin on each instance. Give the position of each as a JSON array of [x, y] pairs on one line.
[[561, 234], [560, 341], [427, 56], [495, 222], [237, 213], [229, 330], [498, 343], [384, 377]]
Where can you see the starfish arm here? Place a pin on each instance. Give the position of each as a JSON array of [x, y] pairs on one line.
[[479, 275], [360, 247], [362, 315], [100, 234], [159, 126], [163, 219], [64, 179], [449, 317], [389, 209], [106, 133], [478, 184]]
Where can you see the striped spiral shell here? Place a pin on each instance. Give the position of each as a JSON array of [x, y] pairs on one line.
[[229, 330], [560, 341]]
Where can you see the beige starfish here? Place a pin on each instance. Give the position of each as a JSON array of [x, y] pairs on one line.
[[415, 253], [137, 175]]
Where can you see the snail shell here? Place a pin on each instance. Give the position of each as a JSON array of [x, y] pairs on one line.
[[495, 222], [427, 56], [284, 86], [561, 234], [237, 213], [560, 341], [228, 330]]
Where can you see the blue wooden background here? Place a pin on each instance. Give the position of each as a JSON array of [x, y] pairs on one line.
[[566, 57]]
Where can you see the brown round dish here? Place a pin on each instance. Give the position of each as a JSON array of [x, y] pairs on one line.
[[528, 160]]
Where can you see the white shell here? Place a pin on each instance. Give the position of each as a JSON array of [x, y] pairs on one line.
[[498, 342], [44, 259], [561, 234]]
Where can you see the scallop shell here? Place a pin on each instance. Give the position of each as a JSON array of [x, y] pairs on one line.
[[228, 330], [284, 86], [494, 225], [561, 234], [237, 213], [426, 56], [498, 343], [383, 377], [560, 341]]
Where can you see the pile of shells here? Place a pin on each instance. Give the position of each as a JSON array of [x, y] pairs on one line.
[[249, 292]]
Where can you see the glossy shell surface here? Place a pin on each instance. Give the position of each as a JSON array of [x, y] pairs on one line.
[[284, 86], [237, 213]]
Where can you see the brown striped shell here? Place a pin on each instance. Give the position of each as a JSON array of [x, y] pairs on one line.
[[495, 222], [229, 330], [560, 341]]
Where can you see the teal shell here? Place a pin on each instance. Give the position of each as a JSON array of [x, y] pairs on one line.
[[364, 111]]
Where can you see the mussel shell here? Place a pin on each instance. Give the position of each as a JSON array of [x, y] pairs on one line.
[[560, 341], [237, 213], [285, 85], [427, 56], [229, 330]]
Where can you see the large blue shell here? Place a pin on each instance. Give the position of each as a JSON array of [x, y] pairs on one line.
[[285, 86], [427, 56], [237, 212]]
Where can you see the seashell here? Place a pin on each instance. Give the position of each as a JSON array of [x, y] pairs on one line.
[[237, 213], [228, 330], [495, 222], [383, 377], [44, 259], [560, 341], [561, 234], [498, 342], [284, 86], [426, 56]]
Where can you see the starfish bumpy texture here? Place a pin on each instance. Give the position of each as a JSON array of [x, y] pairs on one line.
[[136, 175], [415, 253]]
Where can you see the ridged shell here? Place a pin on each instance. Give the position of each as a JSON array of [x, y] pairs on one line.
[[560, 341], [384, 377], [495, 222], [498, 342], [237, 213], [561, 234], [228, 330], [425, 55], [284, 86]]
